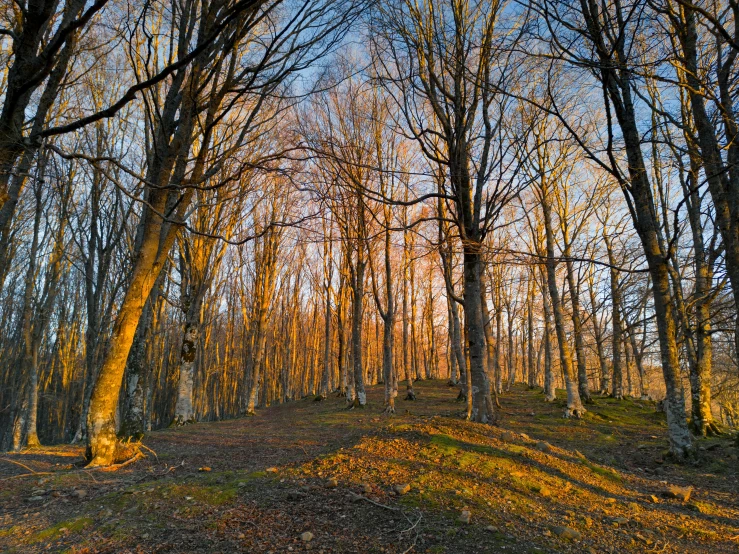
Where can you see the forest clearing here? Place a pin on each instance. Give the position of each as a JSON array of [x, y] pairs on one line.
[[315, 467], [369, 276]]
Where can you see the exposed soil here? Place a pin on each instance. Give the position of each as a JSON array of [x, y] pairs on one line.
[[536, 483]]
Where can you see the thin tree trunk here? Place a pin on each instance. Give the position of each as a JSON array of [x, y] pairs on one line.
[[574, 404]]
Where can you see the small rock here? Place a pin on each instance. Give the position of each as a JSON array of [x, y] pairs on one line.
[[38, 492], [400, 490], [464, 517], [620, 521], [306, 537], [145, 536], [35, 498], [63, 529], [681, 493], [241, 536], [79, 493], [241, 484], [331, 483], [296, 495], [271, 470], [204, 469], [543, 446], [491, 528], [566, 533]]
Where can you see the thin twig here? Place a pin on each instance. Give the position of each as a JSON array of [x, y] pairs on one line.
[[35, 473], [150, 450], [20, 464], [360, 497]]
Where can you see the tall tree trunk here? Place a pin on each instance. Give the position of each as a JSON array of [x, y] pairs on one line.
[[550, 391], [360, 396], [598, 335], [407, 340], [27, 368], [132, 424], [574, 404], [617, 331], [582, 368], [723, 179], [681, 444], [498, 340], [453, 344], [480, 391], [184, 412], [531, 370]]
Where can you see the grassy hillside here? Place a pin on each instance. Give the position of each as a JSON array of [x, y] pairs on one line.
[[313, 476]]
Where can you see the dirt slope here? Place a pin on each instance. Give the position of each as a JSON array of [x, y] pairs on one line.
[[536, 483]]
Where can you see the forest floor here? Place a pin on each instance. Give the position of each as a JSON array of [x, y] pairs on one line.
[[536, 483]]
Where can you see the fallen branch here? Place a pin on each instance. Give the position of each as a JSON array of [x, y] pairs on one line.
[[116, 467], [360, 497], [34, 472], [150, 450]]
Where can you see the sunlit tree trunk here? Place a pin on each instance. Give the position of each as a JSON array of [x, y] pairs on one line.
[[408, 343], [574, 404], [550, 390], [360, 396], [616, 327], [605, 377]]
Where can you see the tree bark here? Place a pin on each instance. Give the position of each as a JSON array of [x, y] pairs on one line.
[[574, 403]]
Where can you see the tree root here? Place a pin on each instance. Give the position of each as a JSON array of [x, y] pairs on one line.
[[709, 430], [126, 453], [355, 404], [713, 430], [179, 422], [577, 413], [115, 467]]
